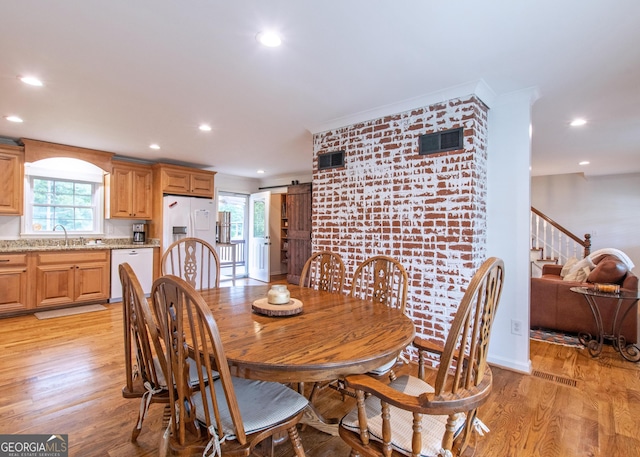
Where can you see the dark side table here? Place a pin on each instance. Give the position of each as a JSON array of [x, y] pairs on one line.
[[594, 343]]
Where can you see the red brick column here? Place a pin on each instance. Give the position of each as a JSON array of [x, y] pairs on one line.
[[428, 211]]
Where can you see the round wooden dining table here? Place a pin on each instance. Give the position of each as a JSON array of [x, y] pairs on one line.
[[334, 335]]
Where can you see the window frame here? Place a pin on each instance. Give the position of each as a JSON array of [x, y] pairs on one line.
[[94, 178]]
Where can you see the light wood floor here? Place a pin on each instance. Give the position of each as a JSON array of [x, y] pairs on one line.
[[64, 376]]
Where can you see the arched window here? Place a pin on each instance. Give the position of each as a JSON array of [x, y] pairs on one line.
[[63, 191]]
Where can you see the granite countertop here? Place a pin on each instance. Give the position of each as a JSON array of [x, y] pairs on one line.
[[74, 244]]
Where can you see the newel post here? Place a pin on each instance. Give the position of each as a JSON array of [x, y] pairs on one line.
[[587, 244]]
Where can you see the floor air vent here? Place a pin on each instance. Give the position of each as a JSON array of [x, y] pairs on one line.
[[557, 379]]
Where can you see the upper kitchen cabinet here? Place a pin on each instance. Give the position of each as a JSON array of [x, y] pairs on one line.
[[178, 180], [11, 180], [128, 191]]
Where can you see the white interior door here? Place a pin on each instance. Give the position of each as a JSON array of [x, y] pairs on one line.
[[259, 239]]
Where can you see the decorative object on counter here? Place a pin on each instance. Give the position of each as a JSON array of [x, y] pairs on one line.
[[278, 295]]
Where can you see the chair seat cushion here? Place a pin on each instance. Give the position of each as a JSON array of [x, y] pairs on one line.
[[262, 404], [433, 427], [193, 373]]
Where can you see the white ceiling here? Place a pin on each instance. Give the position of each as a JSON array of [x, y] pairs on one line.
[[121, 74]]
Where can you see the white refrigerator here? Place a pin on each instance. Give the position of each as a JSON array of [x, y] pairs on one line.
[[188, 217]]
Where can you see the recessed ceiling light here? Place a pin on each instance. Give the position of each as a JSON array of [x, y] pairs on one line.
[[269, 39], [584, 162], [205, 127], [578, 122], [13, 119], [260, 172], [31, 80], [154, 146]]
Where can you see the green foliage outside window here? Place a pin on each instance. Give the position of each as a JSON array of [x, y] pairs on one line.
[[63, 202], [258, 219], [236, 206]]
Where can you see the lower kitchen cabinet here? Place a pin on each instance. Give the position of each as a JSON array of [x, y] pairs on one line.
[[72, 277], [13, 282]]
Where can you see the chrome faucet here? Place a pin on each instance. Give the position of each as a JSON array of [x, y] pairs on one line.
[[66, 240]]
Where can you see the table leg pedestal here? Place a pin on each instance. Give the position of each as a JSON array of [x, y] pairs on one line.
[[631, 351], [594, 343], [314, 419]]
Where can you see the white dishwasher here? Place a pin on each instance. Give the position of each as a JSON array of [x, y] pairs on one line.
[[140, 260]]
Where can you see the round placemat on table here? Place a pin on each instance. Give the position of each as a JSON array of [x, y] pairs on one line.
[[262, 306]]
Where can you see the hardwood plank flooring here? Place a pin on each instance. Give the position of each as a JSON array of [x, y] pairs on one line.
[[65, 376]]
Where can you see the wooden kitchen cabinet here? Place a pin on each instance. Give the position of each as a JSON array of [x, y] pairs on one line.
[[11, 180], [72, 277], [128, 191], [13, 282], [178, 180]]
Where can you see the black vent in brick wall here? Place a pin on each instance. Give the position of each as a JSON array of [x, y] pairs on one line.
[[330, 160], [447, 140]]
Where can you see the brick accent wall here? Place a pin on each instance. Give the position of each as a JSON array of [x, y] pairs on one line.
[[429, 212]]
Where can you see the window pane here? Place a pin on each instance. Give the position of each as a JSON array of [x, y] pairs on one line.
[[236, 205], [64, 216], [83, 188], [83, 200], [63, 199], [42, 191], [64, 188], [63, 202], [38, 225], [258, 219]]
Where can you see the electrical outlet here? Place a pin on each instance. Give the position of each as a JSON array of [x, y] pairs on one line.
[[516, 327]]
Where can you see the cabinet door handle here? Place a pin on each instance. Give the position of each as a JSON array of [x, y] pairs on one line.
[[4, 260]]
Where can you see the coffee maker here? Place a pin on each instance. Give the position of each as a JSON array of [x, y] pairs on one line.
[[139, 233]]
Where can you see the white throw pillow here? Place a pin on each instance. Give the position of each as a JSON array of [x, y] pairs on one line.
[[566, 269], [580, 270], [579, 275]]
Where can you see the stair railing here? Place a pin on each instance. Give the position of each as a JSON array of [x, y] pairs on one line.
[[555, 241]]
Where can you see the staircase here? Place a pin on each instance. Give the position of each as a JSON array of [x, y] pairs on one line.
[[552, 243]]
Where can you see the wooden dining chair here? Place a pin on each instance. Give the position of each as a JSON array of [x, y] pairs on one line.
[[144, 374], [412, 417], [381, 279], [324, 270], [193, 260], [230, 416]]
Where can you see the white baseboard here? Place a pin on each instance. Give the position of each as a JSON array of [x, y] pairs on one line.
[[512, 365]]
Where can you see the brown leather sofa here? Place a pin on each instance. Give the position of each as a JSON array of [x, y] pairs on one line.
[[555, 307]]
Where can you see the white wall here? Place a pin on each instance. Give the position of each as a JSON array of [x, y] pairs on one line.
[[607, 207], [509, 152]]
